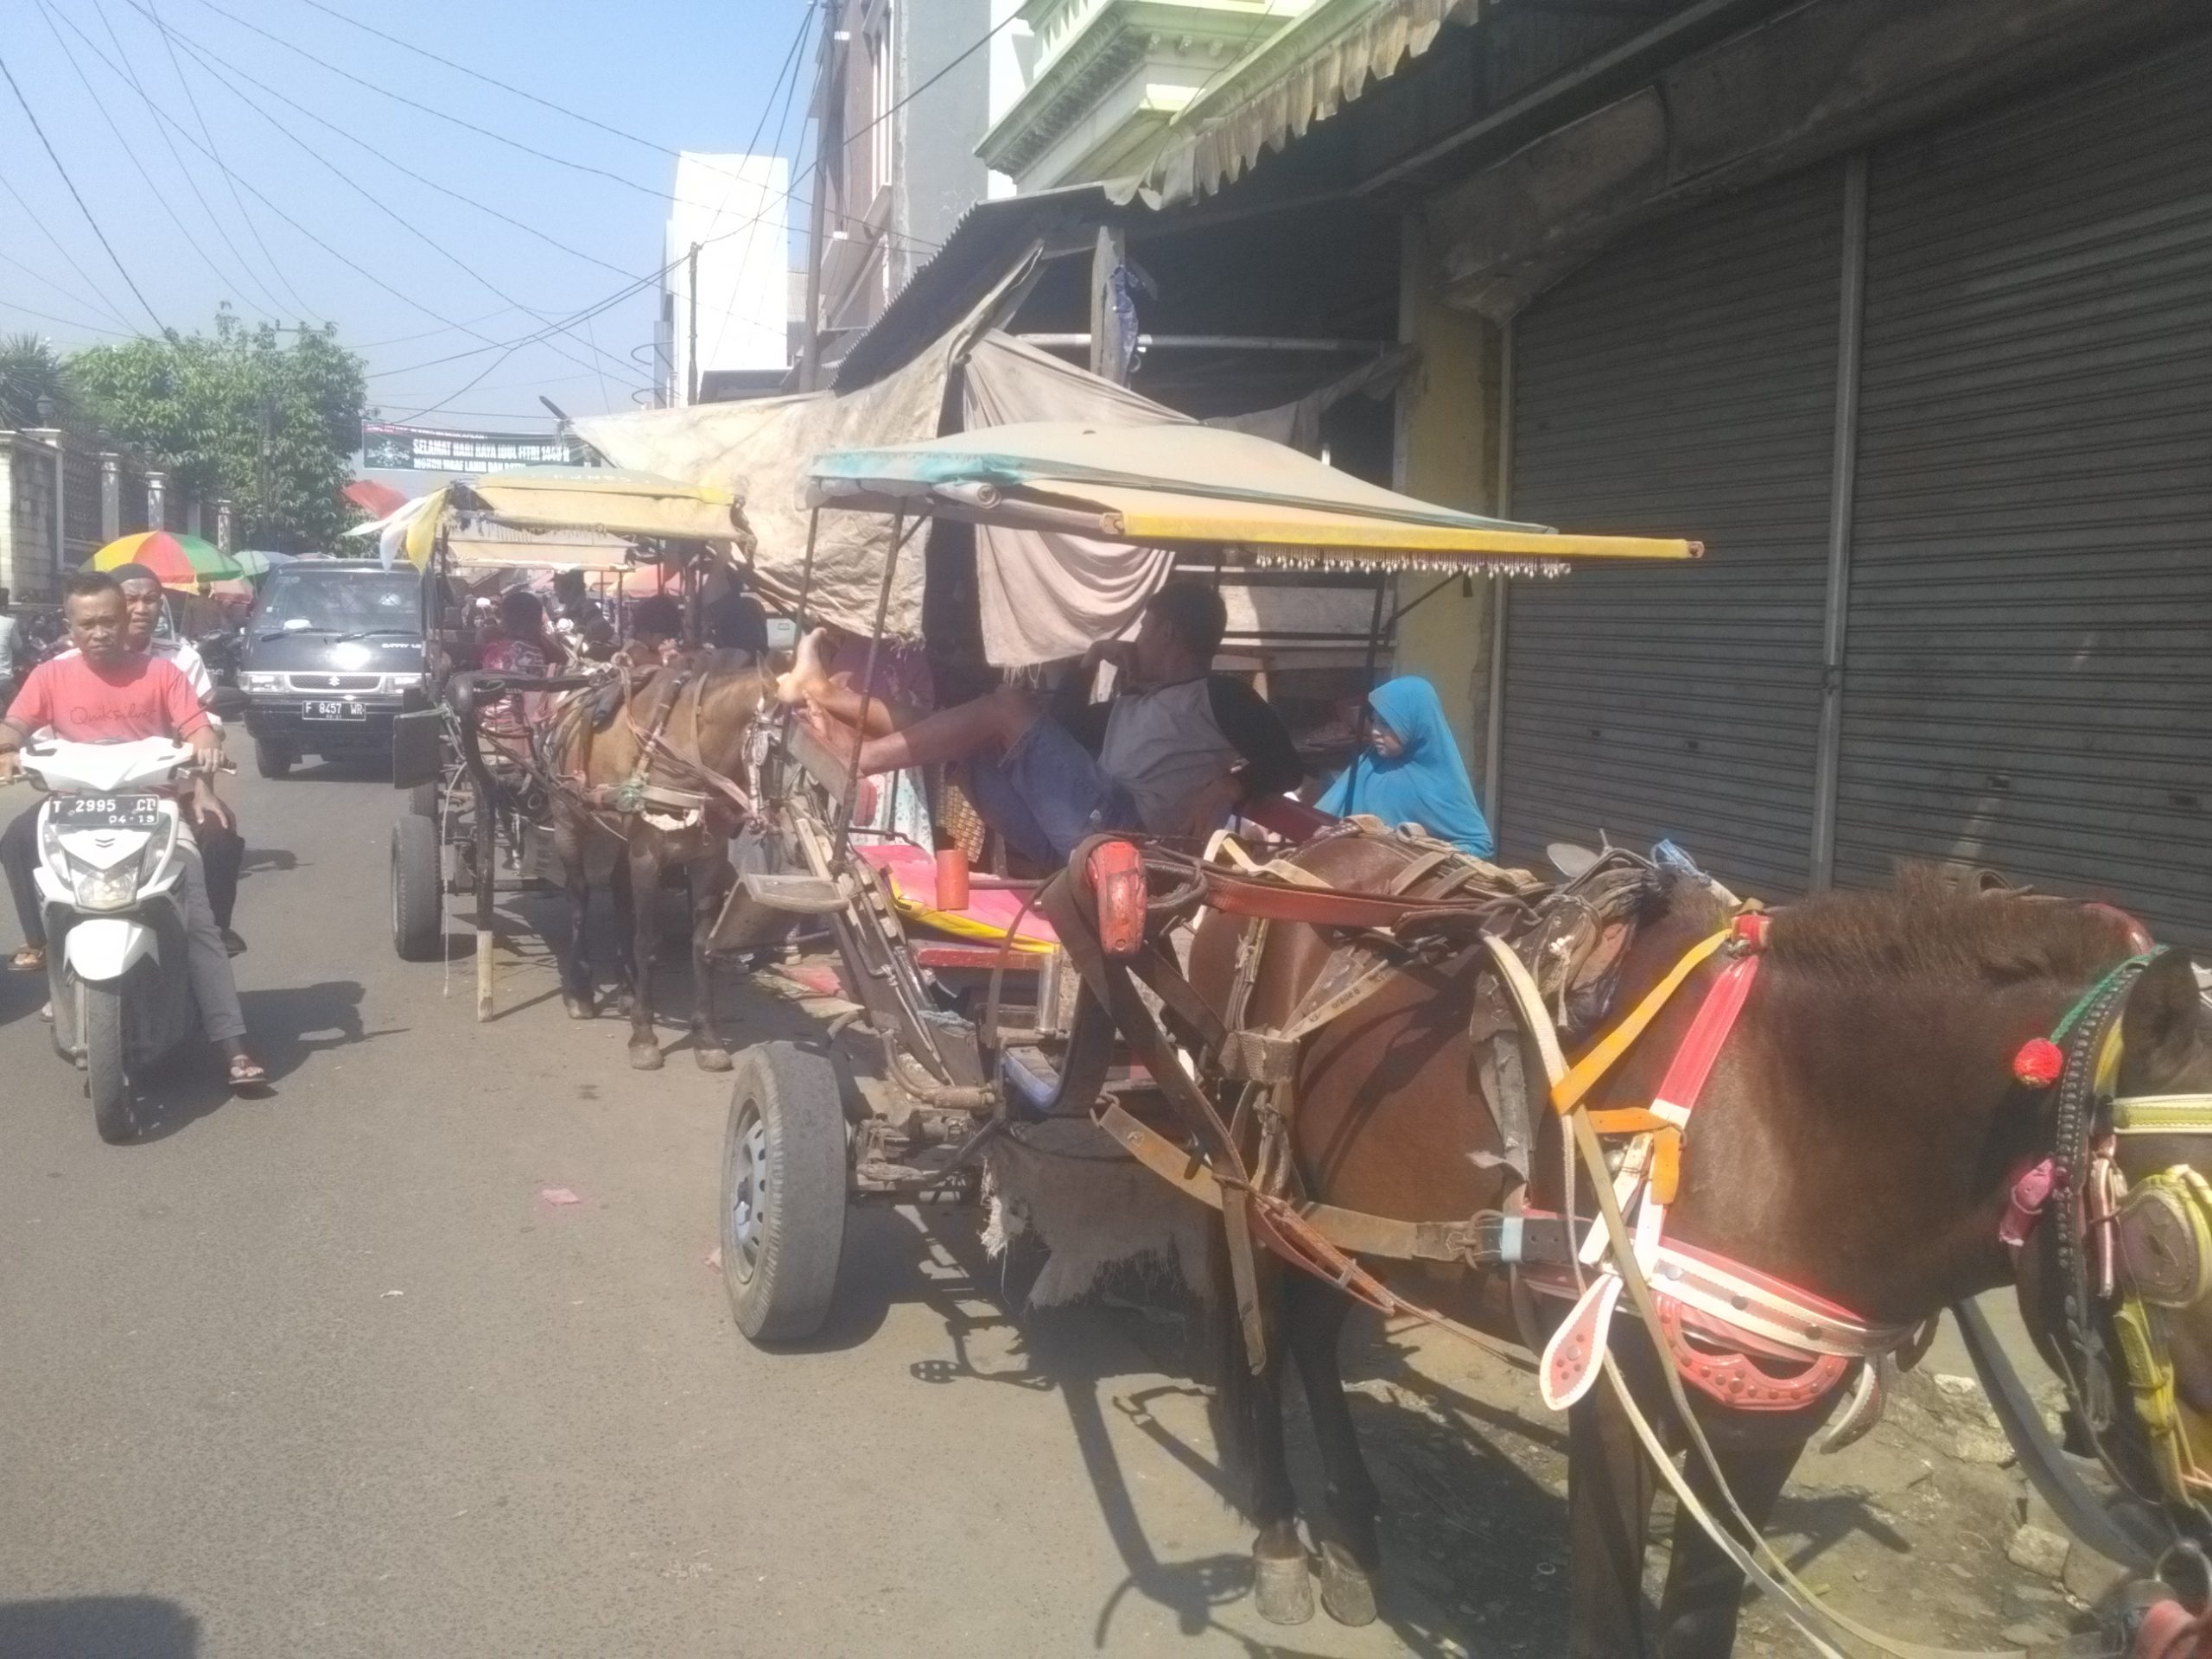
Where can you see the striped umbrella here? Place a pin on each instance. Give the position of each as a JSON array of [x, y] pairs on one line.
[[182, 561]]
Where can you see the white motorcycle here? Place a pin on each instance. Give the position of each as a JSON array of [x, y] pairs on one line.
[[108, 875]]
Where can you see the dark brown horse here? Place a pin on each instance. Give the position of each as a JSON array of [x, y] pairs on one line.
[[642, 790], [1858, 1138]]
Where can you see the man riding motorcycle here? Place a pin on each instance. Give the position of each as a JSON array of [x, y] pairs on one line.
[[106, 692]]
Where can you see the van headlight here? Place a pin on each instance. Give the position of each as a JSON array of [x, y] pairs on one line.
[[259, 682]]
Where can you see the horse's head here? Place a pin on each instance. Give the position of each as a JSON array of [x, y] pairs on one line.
[[2123, 1296]]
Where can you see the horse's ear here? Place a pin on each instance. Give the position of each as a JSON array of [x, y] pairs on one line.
[[2165, 1019]]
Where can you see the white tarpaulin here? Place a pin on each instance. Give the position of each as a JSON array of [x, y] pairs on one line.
[[1046, 596], [758, 451]]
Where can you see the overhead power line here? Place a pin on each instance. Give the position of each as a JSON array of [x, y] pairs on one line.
[[67, 322], [204, 54], [351, 264], [752, 145], [31, 115], [497, 137], [131, 150], [62, 248], [191, 102], [207, 62], [208, 213]]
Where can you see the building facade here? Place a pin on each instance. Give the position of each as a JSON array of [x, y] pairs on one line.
[[724, 326], [901, 95], [1904, 307]]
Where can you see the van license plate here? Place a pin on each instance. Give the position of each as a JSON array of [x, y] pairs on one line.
[[333, 708]]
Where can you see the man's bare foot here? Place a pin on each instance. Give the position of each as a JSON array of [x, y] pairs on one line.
[[808, 677]]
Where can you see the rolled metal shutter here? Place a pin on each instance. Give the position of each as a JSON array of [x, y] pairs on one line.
[[2029, 663], [1683, 384]]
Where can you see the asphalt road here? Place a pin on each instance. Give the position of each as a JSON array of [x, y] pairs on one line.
[[328, 1373]]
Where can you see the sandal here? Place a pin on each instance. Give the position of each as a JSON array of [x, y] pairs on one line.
[[31, 959], [246, 1073]]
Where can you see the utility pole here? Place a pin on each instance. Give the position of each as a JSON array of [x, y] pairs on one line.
[[691, 345], [829, 137]]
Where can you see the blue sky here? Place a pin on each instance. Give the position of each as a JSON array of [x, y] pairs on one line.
[[681, 74]]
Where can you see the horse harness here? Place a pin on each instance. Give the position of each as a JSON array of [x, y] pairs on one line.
[[667, 789], [2142, 1254], [1743, 1338]]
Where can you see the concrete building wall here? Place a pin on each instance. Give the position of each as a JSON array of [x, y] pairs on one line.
[[1448, 452], [735, 209], [940, 176]]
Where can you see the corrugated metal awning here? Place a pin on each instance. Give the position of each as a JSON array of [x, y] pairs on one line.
[[1306, 73]]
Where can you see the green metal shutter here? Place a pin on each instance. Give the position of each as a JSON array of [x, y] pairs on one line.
[[1682, 384], [2028, 662]]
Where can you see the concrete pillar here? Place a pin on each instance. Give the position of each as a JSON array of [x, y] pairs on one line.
[[111, 496], [1448, 452], [57, 461], [8, 578], [157, 506]]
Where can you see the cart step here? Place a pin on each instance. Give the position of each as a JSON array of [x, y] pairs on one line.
[[803, 895]]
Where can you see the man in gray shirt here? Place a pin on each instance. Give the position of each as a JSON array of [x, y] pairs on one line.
[[1172, 754]]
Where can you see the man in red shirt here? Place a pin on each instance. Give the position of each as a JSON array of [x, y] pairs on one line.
[[111, 694]]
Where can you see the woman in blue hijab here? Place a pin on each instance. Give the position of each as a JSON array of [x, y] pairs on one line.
[[1412, 772]]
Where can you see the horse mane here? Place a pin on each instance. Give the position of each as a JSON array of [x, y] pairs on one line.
[[1929, 926]]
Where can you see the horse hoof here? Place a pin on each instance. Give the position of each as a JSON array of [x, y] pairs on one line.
[[714, 1060], [646, 1057], [1282, 1588], [1347, 1588], [580, 1007]]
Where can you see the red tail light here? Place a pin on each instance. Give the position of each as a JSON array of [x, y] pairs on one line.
[[1115, 869]]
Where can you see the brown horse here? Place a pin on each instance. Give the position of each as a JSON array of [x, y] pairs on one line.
[[1858, 1138], [648, 788]]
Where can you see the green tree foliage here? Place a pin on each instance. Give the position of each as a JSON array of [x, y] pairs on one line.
[[266, 418], [33, 373]]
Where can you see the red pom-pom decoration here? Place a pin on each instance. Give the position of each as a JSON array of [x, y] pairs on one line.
[[2038, 1063]]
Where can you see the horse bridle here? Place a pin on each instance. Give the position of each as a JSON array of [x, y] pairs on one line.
[[2143, 1252]]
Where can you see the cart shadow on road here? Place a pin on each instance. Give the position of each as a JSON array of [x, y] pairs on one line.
[[1474, 1542], [99, 1627]]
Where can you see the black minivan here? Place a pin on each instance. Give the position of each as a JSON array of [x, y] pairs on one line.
[[334, 651]]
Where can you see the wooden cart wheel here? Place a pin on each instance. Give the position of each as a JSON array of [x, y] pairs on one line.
[[783, 1224]]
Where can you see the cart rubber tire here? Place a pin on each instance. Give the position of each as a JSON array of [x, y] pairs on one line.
[[107, 1079], [423, 801], [271, 759], [782, 1220], [418, 899]]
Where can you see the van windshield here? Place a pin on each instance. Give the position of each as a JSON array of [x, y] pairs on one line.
[[331, 601]]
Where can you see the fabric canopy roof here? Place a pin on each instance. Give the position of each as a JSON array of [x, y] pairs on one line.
[[1183, 484], [607, 500]]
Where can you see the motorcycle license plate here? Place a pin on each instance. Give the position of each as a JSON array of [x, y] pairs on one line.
[[108, 812], [333, 708]]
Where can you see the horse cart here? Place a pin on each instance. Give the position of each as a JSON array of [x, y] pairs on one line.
[[966, 1042], [477, 820], [1182, 1051]]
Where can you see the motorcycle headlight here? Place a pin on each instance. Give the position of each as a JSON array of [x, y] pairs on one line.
[[259, 682], [112, 889]]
